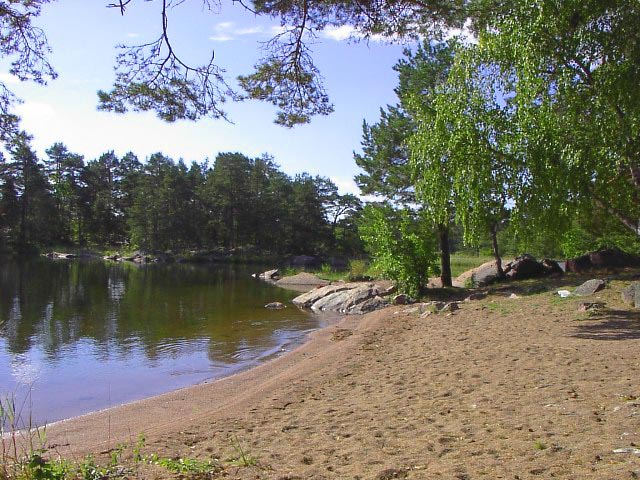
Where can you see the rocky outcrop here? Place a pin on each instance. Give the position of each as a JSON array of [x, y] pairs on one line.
[[605, 258], [348, 298], [302, 282]]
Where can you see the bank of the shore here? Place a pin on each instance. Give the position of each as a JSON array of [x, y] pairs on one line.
[[525, 387]]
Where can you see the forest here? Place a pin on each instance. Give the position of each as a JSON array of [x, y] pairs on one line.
[[164, 205]]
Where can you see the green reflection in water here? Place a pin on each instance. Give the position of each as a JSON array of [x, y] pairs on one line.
[[134, 326]]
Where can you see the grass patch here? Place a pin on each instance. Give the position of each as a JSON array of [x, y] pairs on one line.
[[539, 445], [461, 262]]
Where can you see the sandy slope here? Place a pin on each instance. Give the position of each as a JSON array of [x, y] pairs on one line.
[[504, 388]]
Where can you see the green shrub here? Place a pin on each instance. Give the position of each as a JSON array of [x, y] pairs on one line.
[[402, 244]]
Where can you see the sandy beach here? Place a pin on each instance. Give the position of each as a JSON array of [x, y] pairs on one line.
[[513, 388]]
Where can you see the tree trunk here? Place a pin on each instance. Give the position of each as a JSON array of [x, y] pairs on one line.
[[445, 256], [496, 250]]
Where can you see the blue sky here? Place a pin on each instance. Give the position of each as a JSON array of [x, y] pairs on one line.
[[83, 34]]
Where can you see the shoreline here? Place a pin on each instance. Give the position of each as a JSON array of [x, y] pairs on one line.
[[93, 431], [512, 386]]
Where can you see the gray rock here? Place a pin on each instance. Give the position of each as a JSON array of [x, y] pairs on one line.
[[332, 302], [369, 305], [275, 306], [481, 276], [631, 294], [359, 295], [307, 299], [589, 287], [270, 275]]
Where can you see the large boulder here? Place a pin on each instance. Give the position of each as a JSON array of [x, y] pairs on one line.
[[604, 258], [350, 298], [524, 267], [332, 302], [481, 276], [307, 299]]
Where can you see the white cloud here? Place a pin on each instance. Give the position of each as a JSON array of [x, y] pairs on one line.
[[464, 33], [344, 32], [224, 25], [249, 31], [227, 31], [347, 32], [133, 35], [346, 185], [221, 38]]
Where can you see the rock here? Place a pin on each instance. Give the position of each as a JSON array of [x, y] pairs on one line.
[[275, 306], [589, 287], [270, 275], [481, 276], [563, 293], [584, 306], [332, 302], [369, 305], [65, 256], [579, 264], [389, 290], [513, 296], [631, 294], [449, 307], [307, 299], [345, 301], [524, 267], [551, 267], [401, 299], [476, 296], [302, 282], [602, 259]]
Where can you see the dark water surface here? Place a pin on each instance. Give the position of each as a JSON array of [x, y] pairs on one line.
[[79, 336]]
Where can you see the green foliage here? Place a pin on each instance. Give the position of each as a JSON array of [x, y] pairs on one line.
[[186, 466], [241, 204], [461, 262], [401, 243], [358, 270], [242, 457]]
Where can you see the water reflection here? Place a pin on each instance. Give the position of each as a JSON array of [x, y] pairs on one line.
[[82, 335]]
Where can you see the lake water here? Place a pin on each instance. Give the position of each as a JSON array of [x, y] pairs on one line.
[[79, 336]]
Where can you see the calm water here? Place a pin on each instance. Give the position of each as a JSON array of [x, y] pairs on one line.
[[78, 336]]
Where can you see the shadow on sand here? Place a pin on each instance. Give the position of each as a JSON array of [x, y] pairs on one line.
[[611, 325]]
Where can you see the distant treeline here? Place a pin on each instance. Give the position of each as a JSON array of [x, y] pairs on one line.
[[161, 204]]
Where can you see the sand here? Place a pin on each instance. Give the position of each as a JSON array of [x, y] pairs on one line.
[[512, 388]]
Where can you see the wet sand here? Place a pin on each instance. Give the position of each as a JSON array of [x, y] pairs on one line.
[[515, 388]]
